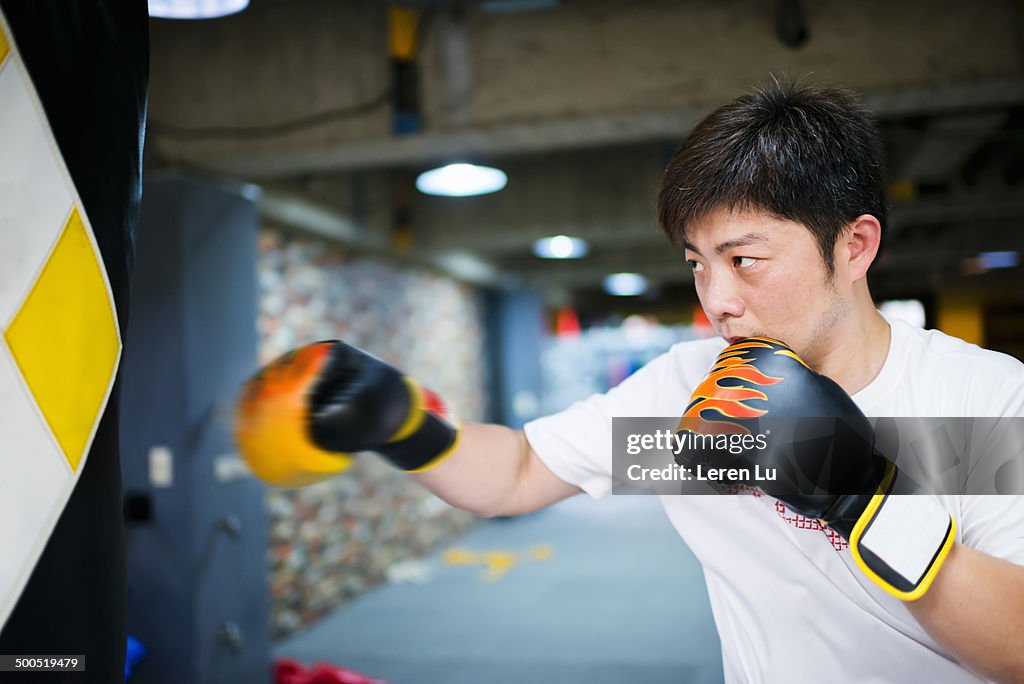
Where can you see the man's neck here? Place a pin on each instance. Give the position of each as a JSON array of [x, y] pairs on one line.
[[856, 350]]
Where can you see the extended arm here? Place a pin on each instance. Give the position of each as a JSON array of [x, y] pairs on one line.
[[302, 418]]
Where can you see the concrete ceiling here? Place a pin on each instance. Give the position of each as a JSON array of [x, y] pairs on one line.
[[581, 102]]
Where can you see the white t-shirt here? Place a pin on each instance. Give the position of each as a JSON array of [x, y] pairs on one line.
[[789, 601]]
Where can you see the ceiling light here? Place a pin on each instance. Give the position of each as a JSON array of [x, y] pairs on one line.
[[625, 284], [510, 6], [195, 9], [465, 266], [461, 180], [986, 261], [560, 247], [998, 259]]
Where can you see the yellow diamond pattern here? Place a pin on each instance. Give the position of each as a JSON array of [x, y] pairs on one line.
[[5, 47], [65, 342]]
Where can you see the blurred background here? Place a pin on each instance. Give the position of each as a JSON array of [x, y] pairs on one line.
[[466, 189]]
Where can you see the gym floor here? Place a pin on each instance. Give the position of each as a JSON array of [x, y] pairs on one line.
[[619, 598]]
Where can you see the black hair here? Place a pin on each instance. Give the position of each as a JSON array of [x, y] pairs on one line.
[[807, 153]]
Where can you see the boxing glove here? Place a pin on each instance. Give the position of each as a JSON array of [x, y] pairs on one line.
[[301, 418], [899, 541]]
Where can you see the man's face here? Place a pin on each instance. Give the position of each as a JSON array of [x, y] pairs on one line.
[[760, 275]]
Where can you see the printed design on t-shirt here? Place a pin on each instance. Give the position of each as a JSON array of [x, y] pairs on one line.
[[801, 522], [742, 489]]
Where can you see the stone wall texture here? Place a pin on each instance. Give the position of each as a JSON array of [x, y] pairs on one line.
[[333, 541]]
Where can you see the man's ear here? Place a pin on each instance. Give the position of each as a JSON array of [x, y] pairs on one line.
[[858, 245]]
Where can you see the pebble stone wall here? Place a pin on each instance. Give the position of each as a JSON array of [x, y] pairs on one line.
[[332, 541]]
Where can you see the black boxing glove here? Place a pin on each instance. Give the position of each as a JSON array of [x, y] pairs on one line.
[[301, 417], [899, 541]]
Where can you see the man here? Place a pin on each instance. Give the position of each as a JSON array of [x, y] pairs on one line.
[[778, 199], [73, 77]]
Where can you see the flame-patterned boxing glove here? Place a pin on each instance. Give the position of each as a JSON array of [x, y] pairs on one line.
[[899, 541], [301, 417]]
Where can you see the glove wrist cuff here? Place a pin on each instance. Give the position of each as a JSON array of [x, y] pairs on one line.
[[901, 542], [427, 436]]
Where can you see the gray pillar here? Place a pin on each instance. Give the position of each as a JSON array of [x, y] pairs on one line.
[[515, 332], [197, 595]]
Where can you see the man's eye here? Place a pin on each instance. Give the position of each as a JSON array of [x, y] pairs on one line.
[[743, 262], [695, 265]]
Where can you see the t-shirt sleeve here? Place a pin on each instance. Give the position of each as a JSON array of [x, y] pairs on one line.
[[1007, 394], [576, 444], [994, 525]]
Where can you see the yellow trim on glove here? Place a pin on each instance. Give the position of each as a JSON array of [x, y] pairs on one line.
[[414, 419], [925, 582]]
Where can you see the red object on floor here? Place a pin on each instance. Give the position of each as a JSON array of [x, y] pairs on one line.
[[325, 673], [288, 671]]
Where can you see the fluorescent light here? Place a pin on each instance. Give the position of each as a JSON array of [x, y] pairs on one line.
[[625, 284], [986, 261], [560, 247], [461, 180], [510, 6], [250, 191], [195, 9], [998, 259], [467, 267]]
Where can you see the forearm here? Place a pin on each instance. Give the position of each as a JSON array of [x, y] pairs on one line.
[[493, 472], [975, 608]]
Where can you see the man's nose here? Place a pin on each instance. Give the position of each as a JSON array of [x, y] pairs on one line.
[[721, 298]]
